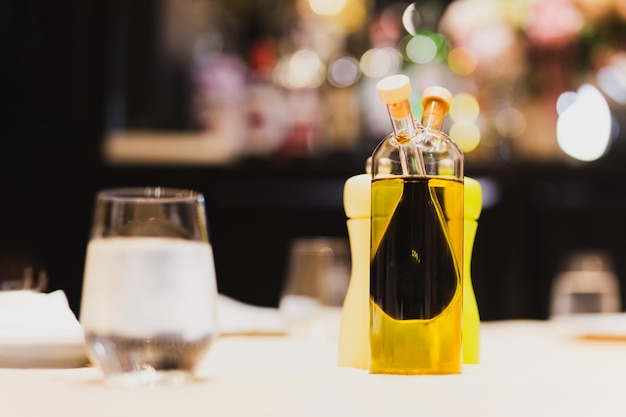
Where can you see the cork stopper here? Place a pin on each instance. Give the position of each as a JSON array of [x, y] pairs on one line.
[[440, 94], [394, 89], [436, 104]]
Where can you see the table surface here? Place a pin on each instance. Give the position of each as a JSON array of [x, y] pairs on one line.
[[528, 368]]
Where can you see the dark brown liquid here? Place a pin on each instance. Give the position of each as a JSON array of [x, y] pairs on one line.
[[413, 273]]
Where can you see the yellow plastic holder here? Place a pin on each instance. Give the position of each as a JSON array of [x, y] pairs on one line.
[[354, 348], [471, 315]]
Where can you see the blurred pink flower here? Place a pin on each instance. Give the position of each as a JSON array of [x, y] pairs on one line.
[[554, 23]]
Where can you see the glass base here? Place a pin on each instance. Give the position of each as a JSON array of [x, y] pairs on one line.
[[150, 377]]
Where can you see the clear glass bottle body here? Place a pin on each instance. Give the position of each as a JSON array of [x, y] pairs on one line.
[[416, 254]]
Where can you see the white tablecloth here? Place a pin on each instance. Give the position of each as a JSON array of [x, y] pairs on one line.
[[528, 368]]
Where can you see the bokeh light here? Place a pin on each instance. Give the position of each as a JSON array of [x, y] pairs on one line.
[[462, 61], [612, 80], [353, 15], [380, 62], [464, 106], [425, 47], [510, 122], [464, 112], [327, 7], [344, 71], [411, 19], [565, 100], [303, 69], [465, 134], [344, 16], [421, 49], [584, 127]]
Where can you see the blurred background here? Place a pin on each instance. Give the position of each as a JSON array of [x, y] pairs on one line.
[[268, 106]]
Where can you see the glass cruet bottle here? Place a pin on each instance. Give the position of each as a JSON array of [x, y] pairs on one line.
[[416, 250]]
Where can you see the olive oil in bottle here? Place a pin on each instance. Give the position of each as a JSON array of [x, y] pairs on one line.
[[416, 298]]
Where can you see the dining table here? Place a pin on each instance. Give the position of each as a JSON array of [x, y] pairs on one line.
[[527, 368]]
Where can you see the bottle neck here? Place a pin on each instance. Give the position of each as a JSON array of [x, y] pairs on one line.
[[434, 114], [402, 120]]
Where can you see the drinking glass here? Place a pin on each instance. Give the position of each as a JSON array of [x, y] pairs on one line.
[[148, 305], [318, 274]]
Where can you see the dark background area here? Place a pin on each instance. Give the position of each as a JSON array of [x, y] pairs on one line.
[[64, 62]]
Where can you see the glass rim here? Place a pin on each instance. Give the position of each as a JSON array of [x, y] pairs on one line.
[[149, 193]]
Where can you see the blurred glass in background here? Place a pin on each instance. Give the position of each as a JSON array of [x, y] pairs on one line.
[[587, 284]]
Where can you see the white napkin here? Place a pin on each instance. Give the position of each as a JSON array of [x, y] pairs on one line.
[[235, 317], [28, 317], [39, 330]]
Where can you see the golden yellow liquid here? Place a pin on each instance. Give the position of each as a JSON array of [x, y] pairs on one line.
[[416, 297]]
